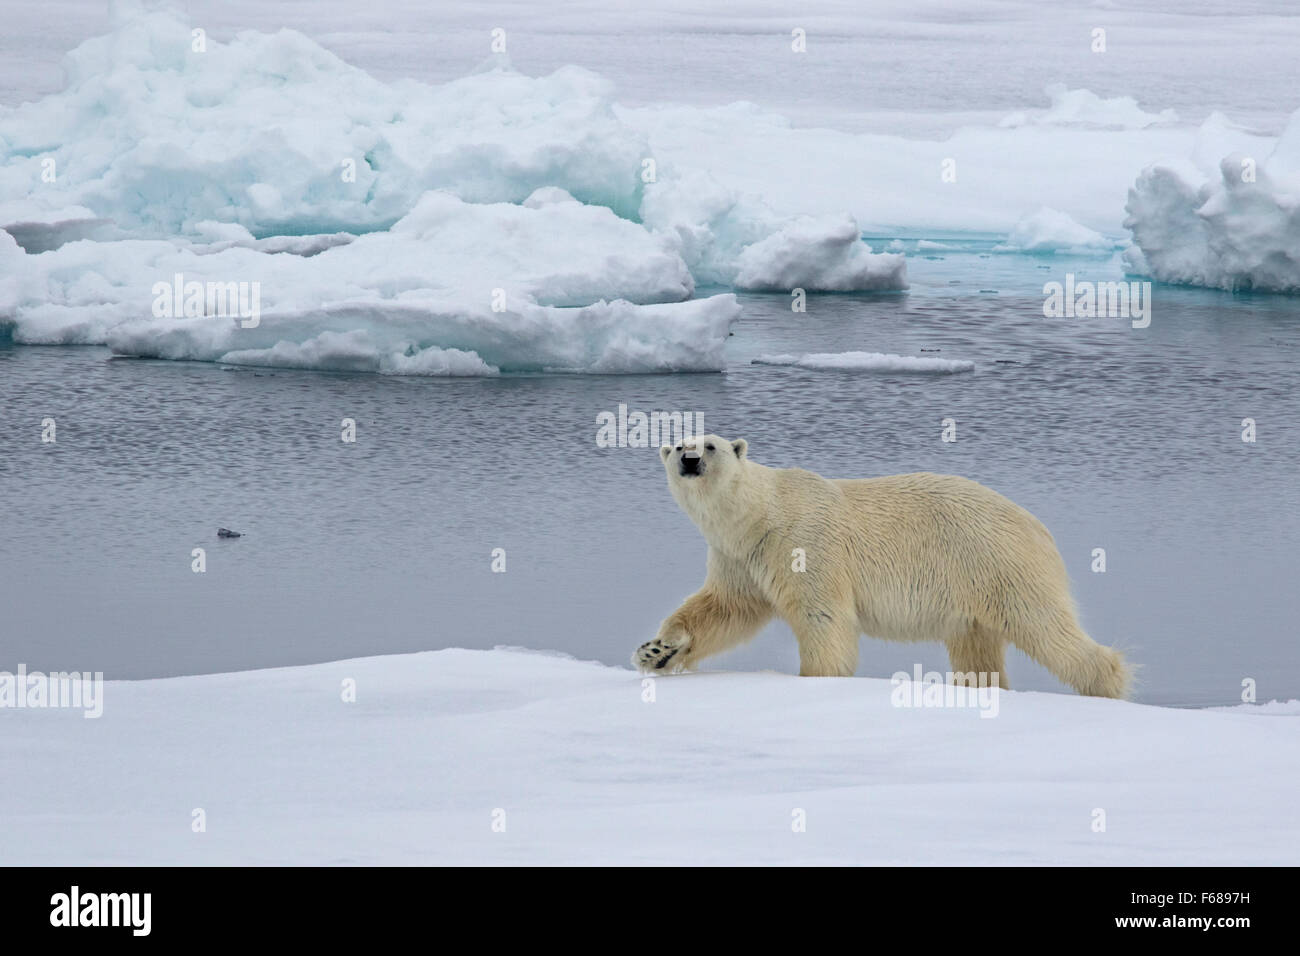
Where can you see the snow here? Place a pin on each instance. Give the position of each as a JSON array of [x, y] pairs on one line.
[[866, 362], [156, 136], [360, 351], [977, 179], [735, 239], [557, 251], [437, 745], [1085, 108], [1237, 229], [576, 284], [824, 254], [1050, 231], [397, 338], [1272, 708]]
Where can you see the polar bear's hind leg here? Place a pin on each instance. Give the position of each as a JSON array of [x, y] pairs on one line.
[[978, 658], [1060, 645]]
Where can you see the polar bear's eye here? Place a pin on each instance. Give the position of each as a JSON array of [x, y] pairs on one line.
[[679, 447], [708, 448]]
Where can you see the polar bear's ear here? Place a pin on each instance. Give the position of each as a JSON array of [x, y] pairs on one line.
[[740, 447], [665, 451]]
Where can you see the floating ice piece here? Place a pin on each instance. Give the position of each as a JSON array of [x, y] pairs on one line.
[[452, 337], [453, 288], [736, 240], [822, 254], [1050, 231], [1238, 231], [866, 362]]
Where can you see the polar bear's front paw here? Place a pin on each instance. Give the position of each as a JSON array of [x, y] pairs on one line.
[[662, 653]]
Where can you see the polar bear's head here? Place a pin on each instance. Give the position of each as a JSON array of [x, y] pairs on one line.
[[704, 464]]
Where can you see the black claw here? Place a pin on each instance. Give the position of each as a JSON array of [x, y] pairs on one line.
[[659, 664]]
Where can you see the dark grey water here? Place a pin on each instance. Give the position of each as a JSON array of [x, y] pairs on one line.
[[1117, 438]]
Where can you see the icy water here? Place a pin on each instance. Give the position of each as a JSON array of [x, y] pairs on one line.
[[1122, 439]]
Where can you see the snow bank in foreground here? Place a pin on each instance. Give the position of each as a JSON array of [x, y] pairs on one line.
[[1238, 231], [586, 771], [1050, 231], [866, 362], [451, 288]]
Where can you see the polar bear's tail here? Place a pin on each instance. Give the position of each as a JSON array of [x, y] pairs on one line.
[[1064, 649], [1103, 672]]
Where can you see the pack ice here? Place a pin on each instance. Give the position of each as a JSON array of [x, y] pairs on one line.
[[495, 223]]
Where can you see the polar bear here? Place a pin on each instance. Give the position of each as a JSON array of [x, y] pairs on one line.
[[918, 557]]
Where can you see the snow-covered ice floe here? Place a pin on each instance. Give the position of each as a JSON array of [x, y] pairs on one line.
[[495, 223], [451, 288], [1238, 229], [866, 362], [605, 337], [582, 770]]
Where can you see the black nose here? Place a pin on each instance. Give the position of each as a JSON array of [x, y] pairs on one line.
[[690, 466]]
